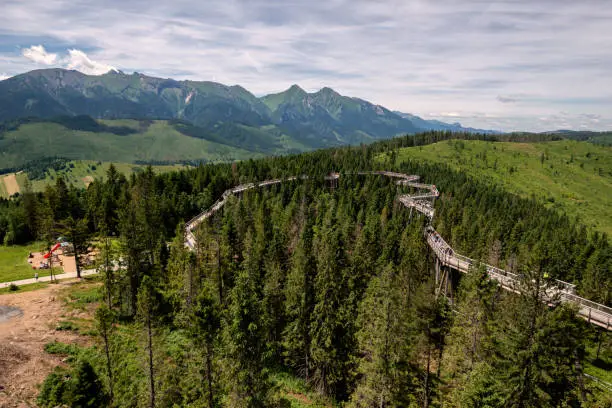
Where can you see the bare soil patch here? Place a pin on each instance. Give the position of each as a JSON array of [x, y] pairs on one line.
[[11, 185], [300, 397], [87, 180], [23, 362]]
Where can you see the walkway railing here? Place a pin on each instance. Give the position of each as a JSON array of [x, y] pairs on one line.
[[593, 312]]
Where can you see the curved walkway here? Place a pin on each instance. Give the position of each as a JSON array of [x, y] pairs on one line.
[[423, 203]]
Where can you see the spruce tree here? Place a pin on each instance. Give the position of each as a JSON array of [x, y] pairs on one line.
[[386, 378], [104, 320], [246, 376], [146, 315], [299, 304], [328, 329]]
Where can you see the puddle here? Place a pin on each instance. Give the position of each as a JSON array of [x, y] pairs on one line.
[[8, 312]]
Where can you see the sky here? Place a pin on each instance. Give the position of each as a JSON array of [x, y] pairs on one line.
[[505, 65]]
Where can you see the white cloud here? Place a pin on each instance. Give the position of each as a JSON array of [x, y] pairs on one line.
[[549, 55], [4, 76], [76, 59], [79, 61], [39, 55]]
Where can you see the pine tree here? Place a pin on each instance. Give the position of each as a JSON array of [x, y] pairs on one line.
[[328, 329], [384, 345], [470, 334], [538, 352], [433, 322], [247, 379], [77, 234], [104, 320], [470, 345], [204, 327], [146, 310], [86, 390], [299, 304]]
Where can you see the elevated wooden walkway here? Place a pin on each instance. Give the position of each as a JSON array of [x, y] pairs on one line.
[[423, 201]]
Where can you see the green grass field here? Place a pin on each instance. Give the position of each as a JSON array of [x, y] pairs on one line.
[[573, 177], [160, 142], [14, 262], [80, 172], [24, 288]]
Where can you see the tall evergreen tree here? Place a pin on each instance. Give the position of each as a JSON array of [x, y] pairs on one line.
[[146, 314], [386, 375], [330, 356], [247, 378], [299, 304]]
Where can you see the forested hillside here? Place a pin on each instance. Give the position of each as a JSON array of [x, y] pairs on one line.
[[136, 141], [331, 285], [573, 177], [290, 121]]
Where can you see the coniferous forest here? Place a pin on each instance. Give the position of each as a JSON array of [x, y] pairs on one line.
[[332, 284]]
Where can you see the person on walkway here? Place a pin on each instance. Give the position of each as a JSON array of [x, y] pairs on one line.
[[36, 276]]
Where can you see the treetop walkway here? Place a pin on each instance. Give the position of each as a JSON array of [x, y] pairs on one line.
[[422, 202]]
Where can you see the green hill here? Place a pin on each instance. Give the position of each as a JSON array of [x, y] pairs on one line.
[[157, 141], [287, 122], [79, 173], [574, 177]]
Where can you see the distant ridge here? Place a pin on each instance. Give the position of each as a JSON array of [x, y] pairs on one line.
[[424, 124], [229, 121]]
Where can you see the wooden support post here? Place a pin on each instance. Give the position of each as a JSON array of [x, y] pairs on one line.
[[437, 266], [449, 284]]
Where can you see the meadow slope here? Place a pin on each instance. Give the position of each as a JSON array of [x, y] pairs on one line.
[[158, 142], [574, 177]]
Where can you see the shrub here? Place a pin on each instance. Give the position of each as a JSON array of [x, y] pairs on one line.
[[55, 389], [79, 388], [86, 389], [66, 325], [56, 347]]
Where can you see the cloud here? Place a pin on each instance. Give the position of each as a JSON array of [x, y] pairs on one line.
[[39, 55], [4, 76], [75, 59], [506, 99], [79, 61], [415, 56]]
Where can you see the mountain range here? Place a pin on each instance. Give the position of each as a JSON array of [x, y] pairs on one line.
[[289, 121]]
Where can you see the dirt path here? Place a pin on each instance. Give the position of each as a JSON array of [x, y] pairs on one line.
[[10, 182], [23, 362]]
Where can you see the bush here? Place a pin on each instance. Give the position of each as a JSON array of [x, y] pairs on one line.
[[55, 389], [13, 287], [56, 347], [87, 389], [66, 325], [79, 388]]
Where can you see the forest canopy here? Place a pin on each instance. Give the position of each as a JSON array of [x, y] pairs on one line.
[[332, 284]]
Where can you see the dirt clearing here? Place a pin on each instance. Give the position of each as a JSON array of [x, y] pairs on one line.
[[87, 180], [11, 184], [23, 362]]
